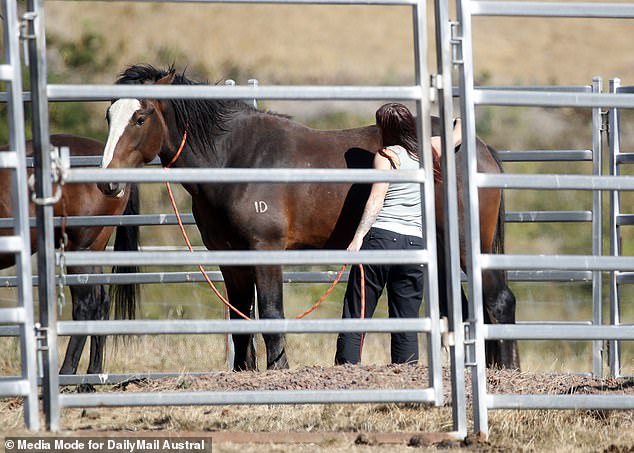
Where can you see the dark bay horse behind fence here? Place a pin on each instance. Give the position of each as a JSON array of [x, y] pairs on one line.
[[223, 134], [89, 302]]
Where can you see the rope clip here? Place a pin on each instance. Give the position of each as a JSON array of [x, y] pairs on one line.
[[60, 162]]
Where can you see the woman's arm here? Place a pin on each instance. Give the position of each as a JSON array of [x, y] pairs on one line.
[[375, 200]]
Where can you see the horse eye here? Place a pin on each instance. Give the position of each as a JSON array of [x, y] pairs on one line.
[[140, 120]]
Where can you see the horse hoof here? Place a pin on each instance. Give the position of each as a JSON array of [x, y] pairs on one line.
[[85, 388], [280, 364]]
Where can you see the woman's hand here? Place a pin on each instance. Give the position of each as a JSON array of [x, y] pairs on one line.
[[355, 245], [382, 161]]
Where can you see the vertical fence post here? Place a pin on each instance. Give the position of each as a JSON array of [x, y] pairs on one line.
[[451, 246], [44, 215], [614, 143], [472, 224], [423, 120], [597, 229], [22, 314]]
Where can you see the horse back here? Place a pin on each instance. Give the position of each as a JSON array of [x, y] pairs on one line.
[[288, 216]]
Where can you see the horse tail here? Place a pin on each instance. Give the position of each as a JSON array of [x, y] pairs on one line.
[[124, 296], [498, 238]]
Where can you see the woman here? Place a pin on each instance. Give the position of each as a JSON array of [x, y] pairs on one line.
[[392, 219]]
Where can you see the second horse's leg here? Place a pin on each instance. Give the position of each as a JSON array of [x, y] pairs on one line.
[[499, 304], [241, 293], [98, 342], [88, 304], [268, 281]]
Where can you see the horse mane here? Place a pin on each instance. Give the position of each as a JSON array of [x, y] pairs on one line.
[[202, 118]]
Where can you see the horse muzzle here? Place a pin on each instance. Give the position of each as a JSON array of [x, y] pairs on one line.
[[112, 189]]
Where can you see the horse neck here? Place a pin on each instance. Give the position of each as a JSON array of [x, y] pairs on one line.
[[202, 146]]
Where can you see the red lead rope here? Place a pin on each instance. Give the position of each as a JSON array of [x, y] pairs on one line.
[[202, 269], [180, 150], [184, 233]]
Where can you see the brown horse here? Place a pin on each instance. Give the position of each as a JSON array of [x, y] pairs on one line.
[[223, 134], [90, 302]]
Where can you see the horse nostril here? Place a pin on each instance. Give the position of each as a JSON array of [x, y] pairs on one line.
[[111, 189]]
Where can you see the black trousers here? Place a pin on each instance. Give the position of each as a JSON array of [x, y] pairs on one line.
[[404, 292]]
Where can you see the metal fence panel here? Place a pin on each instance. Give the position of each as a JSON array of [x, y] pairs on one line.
[[45, 92], [19, 243]]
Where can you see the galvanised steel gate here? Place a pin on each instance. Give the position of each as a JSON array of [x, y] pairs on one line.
[[429, 324], [13, 165], [619, 218], [448, 32], [470, 97]]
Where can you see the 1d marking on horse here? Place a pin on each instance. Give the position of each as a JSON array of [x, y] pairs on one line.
[[260, 206]]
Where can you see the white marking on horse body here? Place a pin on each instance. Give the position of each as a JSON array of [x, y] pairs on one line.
[[260, 206], [119, 114]]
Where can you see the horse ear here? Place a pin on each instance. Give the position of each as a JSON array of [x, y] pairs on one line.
[[167, 79], [159, 104]]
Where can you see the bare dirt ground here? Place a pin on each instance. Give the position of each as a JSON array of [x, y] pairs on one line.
[[369, 428], [386, 377]]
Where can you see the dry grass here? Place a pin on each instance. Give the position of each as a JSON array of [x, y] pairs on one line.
[[527, 431], [283, 44], [338, 45]]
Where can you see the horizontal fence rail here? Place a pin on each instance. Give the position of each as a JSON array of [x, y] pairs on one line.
[[596, 402], [548, 216], [240, 326], [284, 2], [178, 277], [552, 99], [247, 397], [111, 220], [279, 92], [248, 257], [242, 175], [556, 331], [188, 219], [555, 9], [544, 155], [288, 277], [558, 182], [557, 262]]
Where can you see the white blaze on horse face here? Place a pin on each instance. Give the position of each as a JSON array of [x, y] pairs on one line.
[[119, 114]]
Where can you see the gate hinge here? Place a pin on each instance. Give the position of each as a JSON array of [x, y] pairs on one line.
[[435, 84], [41, 336], [436, 81], [27, 33], [447, 337], [469, 345], [26, 25], [456, 42], [605, 121]]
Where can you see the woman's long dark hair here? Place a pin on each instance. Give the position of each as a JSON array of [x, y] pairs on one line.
[[398, 127]]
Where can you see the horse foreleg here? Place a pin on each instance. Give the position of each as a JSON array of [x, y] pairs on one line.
[[73, 353], [268, 280], [241, 293], [443, 290], [499, 304], [98, 342], [89, 303]]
